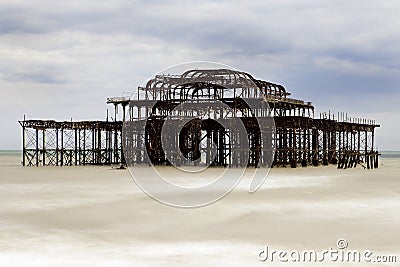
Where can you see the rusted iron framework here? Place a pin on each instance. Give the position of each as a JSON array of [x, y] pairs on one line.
[[297, 138], [71, 143]]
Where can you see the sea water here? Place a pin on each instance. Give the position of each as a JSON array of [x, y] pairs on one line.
[[10, 158]]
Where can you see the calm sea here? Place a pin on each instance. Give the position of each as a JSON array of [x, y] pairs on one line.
[[390, 154], [14, 157], [10, 157]]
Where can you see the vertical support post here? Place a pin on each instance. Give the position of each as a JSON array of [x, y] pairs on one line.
[[309, 157], [93, 145], [106, 160], [358, 145], [366, 146], [116, 155], [57, 156], [99, 145], [81, 158], [340, 146], [332, 148], [84, 147], [221, 147], [315, 147], [373, 140], [37, 147], [305, 145], [23, 143], [62, 146], [324, 146], [44, 146], [293, 163], [291, 148], [284, 146], [208, 155], [76, 146]]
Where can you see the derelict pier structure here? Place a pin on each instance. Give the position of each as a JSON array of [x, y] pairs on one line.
[[213, 117]]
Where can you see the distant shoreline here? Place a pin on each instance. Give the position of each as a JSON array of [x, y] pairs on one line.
[[390, 154], [10, 151]]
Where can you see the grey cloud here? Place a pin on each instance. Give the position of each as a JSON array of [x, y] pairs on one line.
[[34, 77], [322, 51]]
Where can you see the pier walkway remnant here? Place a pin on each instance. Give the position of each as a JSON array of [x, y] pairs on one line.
[[298, 138]]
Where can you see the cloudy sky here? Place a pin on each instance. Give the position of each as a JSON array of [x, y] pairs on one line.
[[62, 59]]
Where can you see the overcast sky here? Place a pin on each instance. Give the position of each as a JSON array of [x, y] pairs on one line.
[[62, 59]]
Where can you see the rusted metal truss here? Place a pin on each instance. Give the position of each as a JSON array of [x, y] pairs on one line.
[[71, 143], [292, 137]]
